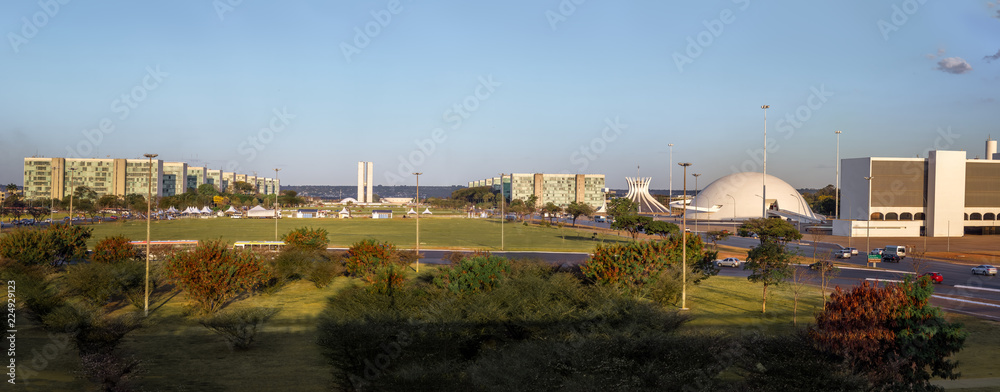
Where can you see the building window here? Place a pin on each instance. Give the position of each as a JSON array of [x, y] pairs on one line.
[[919, 216], [989, 216], [891, 216], [876, 216], [906, 216], [976, 216]]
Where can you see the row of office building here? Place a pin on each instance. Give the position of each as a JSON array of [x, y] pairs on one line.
[[57, 177], [560, 189]]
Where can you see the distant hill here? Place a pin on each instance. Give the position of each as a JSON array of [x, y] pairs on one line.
[[339, 192]]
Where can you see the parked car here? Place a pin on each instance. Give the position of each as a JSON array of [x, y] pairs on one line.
[[896, 250], [728, 262], [843, 254], [984, 270], [876, 251], [934, 276], [854, 251]]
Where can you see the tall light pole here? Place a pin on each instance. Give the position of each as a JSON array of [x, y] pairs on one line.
[[503, 216], [764, 180], [417, 203], [149, 210], [71, 192], [836, 196], [276, 170], [868, 226], [670, 165], [696, 175], [684, 242]]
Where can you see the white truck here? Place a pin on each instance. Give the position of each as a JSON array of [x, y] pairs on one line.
[[894, 251]]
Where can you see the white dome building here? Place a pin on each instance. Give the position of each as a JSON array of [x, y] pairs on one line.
[[737, 197]]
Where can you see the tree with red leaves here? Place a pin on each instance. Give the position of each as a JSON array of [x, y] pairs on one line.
[[890, 335], [212, 274]]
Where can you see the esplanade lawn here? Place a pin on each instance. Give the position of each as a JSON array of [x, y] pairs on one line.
[[435, 232]]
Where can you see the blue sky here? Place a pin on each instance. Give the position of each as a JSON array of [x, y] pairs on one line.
[[464, 90]]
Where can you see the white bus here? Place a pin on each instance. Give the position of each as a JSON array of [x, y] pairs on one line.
[[260, 246]]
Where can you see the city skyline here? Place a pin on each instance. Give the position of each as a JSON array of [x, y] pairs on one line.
[[463, 91]]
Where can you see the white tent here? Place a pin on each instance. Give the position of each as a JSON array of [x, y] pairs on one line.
[[344, 213], [260, 212], [427, 211], [231, 210], [205, 210], [172, 210], [411, 211], [190, 210]]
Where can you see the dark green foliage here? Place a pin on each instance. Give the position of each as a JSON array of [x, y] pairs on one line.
[[790, 363], [324, 271], [307, 238], [660, 228], [387, 279], [769, 265], [239, 326], [773, 230], [640, 268], [626, 216], [543, 326], [475, 274], [34, 291], [577, 210], [112, 371], [99, 283], [115, 249], [55, 244]]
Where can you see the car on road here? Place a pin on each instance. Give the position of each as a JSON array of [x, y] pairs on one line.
[[854, 251], [887, 258], [934, 276], [876, 251], [843, 253], [599, 219], [820, 265], [984, 270], [728, 262]]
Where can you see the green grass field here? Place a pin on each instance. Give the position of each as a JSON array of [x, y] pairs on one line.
[[180, 355], [437, 232]]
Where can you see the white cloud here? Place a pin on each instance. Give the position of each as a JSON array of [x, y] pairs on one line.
[[954, 65]]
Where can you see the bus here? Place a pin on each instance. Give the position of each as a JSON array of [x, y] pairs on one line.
[[259, 246]]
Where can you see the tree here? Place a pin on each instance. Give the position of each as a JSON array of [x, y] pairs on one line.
[[530, 205], [207, 190], [552, 210], [798, 280], [136, 203], [718, 235], [244, 188], [768, 263], [625, 216], [115, 249], [289, 198], [212, 274], [38, 212], [577, 210], [890, 335], [109, 201], [84, 193], [773, 230], [661, 228]]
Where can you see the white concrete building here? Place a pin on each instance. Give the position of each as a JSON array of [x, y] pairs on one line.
[[943, 195]]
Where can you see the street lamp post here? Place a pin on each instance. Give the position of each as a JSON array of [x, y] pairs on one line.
[[764, 180], [684, 243], [868, 226], [503, 216], [71, 191], [670, 165], [417, 203], [149, 210], [696, 175], [836, 196], [276, 216]]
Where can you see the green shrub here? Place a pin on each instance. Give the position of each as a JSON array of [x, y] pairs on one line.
[[324, 271], [212, 274], [55, 244], [307, 238], [289, 265], [387, 279], [480, 273], [34, 290], [99, 283], [115, 249], [240, 326]]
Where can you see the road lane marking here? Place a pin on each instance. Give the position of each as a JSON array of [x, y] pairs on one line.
[[976, 288]]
